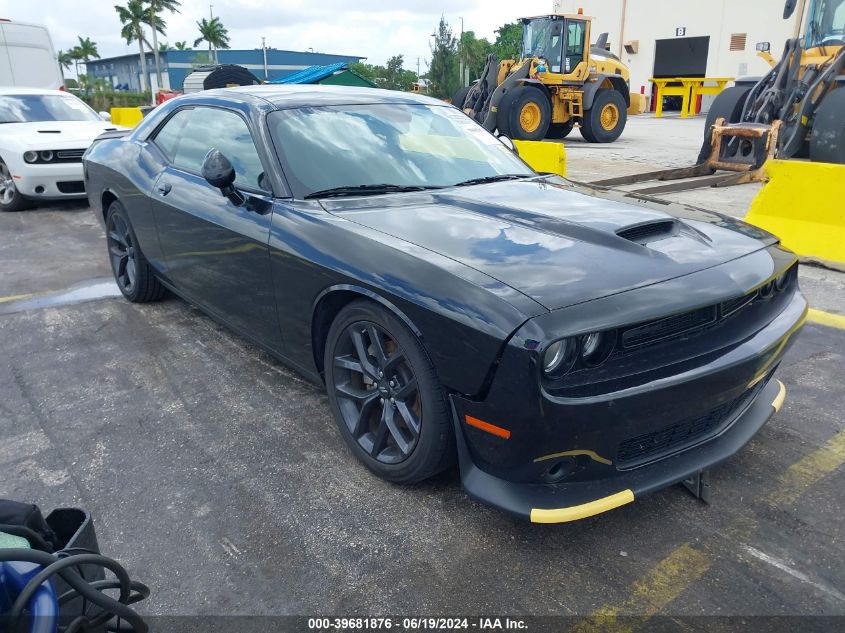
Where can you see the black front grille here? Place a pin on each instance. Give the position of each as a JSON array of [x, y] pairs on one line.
[[71, 186], [686, 432], [68, 155], [666, 328]]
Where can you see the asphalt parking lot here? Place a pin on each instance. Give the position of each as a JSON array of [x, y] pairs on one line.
[[217, 476]]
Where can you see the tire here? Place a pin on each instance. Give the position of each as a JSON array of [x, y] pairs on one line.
[[460, 97], [527, 112], [401, 431], [132, 273], [606, 118], [559, 131], [729, 105], [10, 198], [827, 140]]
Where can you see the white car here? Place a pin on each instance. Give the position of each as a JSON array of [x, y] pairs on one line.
[[43, 135]]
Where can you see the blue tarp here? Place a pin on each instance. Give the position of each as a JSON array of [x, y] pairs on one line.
[[312, 75]]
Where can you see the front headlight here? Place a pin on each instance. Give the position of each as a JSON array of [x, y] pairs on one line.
[[558, 356], [596, 347], [47, 156], [30, 157]]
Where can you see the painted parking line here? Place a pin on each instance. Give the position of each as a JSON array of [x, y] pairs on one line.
[[650, 594], [826, 318], [92, 290], [15, 298], [686, 565]]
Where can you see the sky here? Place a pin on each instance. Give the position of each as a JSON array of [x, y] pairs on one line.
[[375, 29]]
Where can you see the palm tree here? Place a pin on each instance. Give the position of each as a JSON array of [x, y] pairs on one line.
[[65, 60], [156, 6], [75, 54], [133, 17], [213, 32], [87, 50], [180, 46]]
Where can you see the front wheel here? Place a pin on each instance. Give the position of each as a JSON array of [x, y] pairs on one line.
[[385, 396], [10, 198], [132, 273], [606, 118], [827, 140], [527, 112]]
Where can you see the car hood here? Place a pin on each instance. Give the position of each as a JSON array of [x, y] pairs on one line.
[[52, 134], [557, 242]]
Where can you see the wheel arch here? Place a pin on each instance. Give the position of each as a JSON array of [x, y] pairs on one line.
[[106, 198], [605, 82], [331, 301]]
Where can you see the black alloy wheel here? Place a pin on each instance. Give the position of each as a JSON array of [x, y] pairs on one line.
[[122, 253], [387, 401], [132, 273], [377, 392]]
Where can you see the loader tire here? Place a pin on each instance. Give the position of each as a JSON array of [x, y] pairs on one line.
[[606, 118], [460, 97], [729, 105], [527, 114], [827, 140]]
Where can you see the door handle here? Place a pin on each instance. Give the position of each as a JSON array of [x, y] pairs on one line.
[[164, 188]]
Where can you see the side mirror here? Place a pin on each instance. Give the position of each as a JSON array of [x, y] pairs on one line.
[[105, 116], [219, 173], [507, 142], [789, 8]]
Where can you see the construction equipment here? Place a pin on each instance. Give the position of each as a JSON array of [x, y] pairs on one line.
[[796, 110], [559, 80]]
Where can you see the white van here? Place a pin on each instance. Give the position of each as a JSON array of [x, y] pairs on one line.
[[27, 58]]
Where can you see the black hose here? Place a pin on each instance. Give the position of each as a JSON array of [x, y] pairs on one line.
[[61, 564]]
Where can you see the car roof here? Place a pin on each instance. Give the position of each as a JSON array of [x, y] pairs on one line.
[[8, 90], [284, 96]]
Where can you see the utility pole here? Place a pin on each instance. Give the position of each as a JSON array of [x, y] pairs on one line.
[[461, 53], [264, 50]]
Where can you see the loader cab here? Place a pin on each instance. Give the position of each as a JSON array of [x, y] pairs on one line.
[[825, 24], [561, 41]]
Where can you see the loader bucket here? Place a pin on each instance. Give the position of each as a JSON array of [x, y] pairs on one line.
[[804, 205], [542, 156]]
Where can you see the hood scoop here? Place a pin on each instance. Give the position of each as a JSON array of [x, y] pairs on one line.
[[651, 231], [49, 131]]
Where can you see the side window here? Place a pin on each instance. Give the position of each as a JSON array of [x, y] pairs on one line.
[[574, 44], [199, 129]]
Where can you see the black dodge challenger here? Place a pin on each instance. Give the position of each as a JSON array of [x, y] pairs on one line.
[[572, 349]]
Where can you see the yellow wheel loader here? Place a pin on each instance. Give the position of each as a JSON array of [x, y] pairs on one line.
[[559, 80], [797, 110]]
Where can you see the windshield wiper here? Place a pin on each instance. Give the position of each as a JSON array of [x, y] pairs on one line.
[[484, 179], [362, 190]]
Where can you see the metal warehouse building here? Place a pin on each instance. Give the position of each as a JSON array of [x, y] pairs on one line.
[[683, 38], [125, 70]]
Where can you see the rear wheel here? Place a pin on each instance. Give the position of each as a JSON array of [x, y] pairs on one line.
[[606, 118], [10, 198], [385, 396], [132, 272], [827, 140], [528, 113], [560, 130], [727, 105]]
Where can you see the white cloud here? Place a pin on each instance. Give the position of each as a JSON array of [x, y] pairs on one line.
[[375, 29]]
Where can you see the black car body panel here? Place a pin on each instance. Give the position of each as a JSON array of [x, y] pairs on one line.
[[488, 276]]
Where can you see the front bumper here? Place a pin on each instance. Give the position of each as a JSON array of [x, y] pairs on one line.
[[543, 503], [49, 182], [588, 440]]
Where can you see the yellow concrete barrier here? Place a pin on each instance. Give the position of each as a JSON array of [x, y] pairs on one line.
[[639, 103], [802, 203], [543, 156], [128, 117]]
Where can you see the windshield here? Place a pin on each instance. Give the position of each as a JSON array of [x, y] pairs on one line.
[[542, 38], [825, 24], [403, 145], [38, 108]]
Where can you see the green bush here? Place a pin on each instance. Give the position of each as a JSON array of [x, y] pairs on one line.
[[105, 101]]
